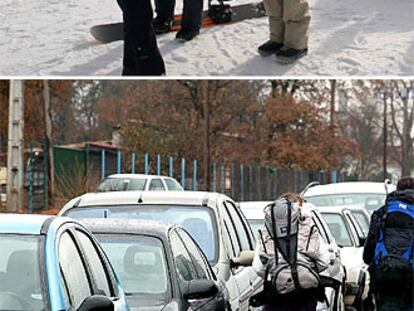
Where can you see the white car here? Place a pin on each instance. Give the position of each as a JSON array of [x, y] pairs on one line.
[[130, 182], [334, 275], [349, 237], [213, 220], [370, 195]]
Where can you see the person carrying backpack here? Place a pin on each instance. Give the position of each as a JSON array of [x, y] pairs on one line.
[[389, 247], [289, 258]]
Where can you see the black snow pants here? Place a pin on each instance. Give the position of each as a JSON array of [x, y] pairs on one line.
[[192, 12], [141, 54]]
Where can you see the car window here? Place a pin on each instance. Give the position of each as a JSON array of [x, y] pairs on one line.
[[20, 278], [156, 185], [73, 271], [234, 239], [362, 222], [321, 227], [112, 184], [172, 185], [354, 227], [240, 227], [137, 184], [369, 201], [140, 263], [256, 225], [195, 254], [96, 265], [182, 259], [338, 229], [199, 221]]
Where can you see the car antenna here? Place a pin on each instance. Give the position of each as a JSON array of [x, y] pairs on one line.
[[310, 185]]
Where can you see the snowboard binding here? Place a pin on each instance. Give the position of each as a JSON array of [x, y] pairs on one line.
[[220, 13]]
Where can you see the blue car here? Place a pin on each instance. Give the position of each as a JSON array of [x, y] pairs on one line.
[[54, 263]]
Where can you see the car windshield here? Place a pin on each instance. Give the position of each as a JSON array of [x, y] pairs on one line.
[[20, 286], [140, 263], [122, 184], [338, 229], [367, 200], [199, 221]]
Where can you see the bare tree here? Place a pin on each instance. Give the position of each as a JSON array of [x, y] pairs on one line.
[[402, 116]]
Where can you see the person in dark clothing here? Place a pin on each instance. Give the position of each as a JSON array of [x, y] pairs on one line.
[[141, 54], [390, 237], [191, 19]]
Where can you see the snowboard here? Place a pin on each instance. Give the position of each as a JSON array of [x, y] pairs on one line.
[[106, 33]]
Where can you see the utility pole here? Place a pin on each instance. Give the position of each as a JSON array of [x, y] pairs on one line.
[[332, 124], [207, 147], [15, 169], [48, 142]]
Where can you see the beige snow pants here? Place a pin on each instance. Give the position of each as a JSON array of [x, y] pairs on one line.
[[288, 22]]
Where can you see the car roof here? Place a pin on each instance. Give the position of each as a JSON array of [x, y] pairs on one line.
[[138, 176], [253, 209], [128, 226], [197, 198], [332, 209], [349, 187], [22, 224]]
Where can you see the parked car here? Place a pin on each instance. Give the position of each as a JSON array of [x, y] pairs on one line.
[[334, 276], [212, 219], [349, 237], [160, 266], [362, 216], [370, 195], [54, 263], [129, 182], [254, 212]]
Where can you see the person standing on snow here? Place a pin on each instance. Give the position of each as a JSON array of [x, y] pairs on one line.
[[191, 18], [141, 54], [389, 249], [289, 257], [288, 23]]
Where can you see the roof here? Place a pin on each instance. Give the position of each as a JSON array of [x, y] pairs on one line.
[[197, 198], [349, 187], [331, 209], [253, 209], [139, 176], [140, 227], [22, 224]]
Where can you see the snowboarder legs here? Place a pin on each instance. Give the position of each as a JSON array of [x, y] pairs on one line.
[[141, 53], [191, 19], [288, 24]]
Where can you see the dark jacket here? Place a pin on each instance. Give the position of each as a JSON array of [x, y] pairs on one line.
[[399, 226]]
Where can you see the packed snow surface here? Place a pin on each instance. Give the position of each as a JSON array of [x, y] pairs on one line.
[[347, 38]]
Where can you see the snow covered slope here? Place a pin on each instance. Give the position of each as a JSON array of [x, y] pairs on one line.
[[353, 37]]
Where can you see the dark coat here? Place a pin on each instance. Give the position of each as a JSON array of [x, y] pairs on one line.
[[399, 226]]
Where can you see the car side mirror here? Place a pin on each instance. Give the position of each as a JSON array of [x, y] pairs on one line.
[[245, 259], [97, 303], [200, 289]]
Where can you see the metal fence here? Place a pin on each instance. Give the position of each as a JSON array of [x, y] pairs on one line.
[[240, 182]]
